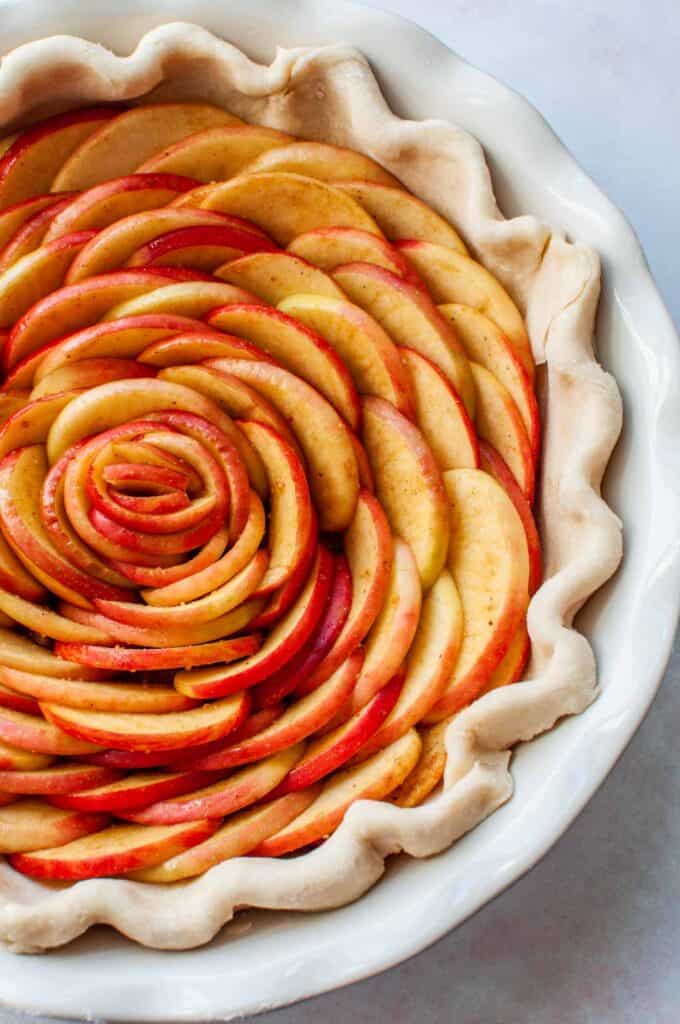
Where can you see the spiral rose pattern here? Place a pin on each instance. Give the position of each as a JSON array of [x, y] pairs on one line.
[[267, 461]]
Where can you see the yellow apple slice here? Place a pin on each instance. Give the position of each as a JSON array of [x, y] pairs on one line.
[[215, 154], [323, 161], [453, 277], [489, 562], [192, 299], [16, 578], [399, 214], [440, 414], [429, 770], [15, 759], [328, 248], [36, 275], [112, 851], [126, 141], [369, 353], [486, 344], [297, 348], [513, 664], [12, 401], [409, 485], [236, 838], [371, 780], [19, 652], [14, 217], [45, 622], [410, 318], [284, 204], [499, 423], [32, 424], [33, 733], [322, 434], [88, 373], [274, 275], [148, 698], [32, 825]]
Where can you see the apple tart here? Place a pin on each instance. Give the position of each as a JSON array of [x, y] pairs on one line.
[[269, 463]]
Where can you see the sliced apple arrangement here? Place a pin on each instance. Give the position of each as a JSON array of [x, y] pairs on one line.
[[268, 451]]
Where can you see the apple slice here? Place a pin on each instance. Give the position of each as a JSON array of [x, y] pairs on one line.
[[236, 838], [204, 248], [238, 790], [369, 552], [323, 436], [297, 348], [15, 578], [391, 636], [284, 204], [328, 248], [371, 780], [303, 718], [369, 353], [335, 748], [9, 798], [119, 147], [323, 161], [440, 414], [499, 422], [192, 299], [489, 562], [88, 373], [274, 275], [285, 640], [32, 234], [17, 702], [452, 276], [149, 659], [511, 668], [409, 485], [400, 215], [217, 153], [28, 732], [28, 167], [429, 770], [64, 778], [14, 217], [486, 344], [123, 696], [410, 318], [19, 652], [14, 759], [145, 732], [31, 425], [491, 462], [45, 622], [32, 825], [36, 275], [11, 399], [197, 346], [130, 793], [430, 665], [113, 851]]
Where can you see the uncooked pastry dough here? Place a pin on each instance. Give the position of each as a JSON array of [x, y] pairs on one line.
[[330, 93]]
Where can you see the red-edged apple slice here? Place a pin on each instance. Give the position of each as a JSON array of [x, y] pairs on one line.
[[285, 640], [14, 759], [369, 552], [10, 798], [144, 732], [409, 485], [119, 147], [89, 373], [201, 344], [452, 276], [15, 578], [284, 204], [322, 434], [283, 598], [410, 317], [36, 275], [328, 248], [14, 217], [498, 421], [429, 770], [336, 748], [28, 732], [430, 665], [151, 576], [19, 652], [274, 275], [297, 348], [366, 481], [141, 659], [237, 837], [109, 202], [73, 307], [217, 153], [440, 414], [12, 399], [18, 702], [513, 664], [193, 299], [30, 164], [32, 424], [130, 793], [64, 778], [32, 825], [113, 851], [240, 789], [371, 780], [303, 718], [323, 161], [151, 698], [369, 353], [391, 636], [402, 215], [205, 248], [32, 234], [486, 344], [489, 563], [45, 622], [491, 462]]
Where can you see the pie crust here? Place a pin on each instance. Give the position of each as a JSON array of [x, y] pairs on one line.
[[330, 94]]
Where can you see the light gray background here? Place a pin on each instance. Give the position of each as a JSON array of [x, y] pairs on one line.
[[591, 935]]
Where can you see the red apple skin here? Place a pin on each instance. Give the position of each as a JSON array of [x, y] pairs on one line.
[[147, 792], [18, 702], [46, 783], [140, 659], [285, 596], [229, 236]]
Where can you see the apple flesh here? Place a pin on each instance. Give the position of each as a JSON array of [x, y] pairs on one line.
[[500, 424], [215, 154], [203, 247], [328, 248], [132, 792], [119, 696], [14, 759], [65, 778], [323, 161], [38, 736], [29, 825], [401, 215], [36, 275], [274, 276]]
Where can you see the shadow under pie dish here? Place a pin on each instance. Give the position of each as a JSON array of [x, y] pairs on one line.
[[266, 485]]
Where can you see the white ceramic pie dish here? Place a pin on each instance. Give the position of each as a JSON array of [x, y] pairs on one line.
[[549, 793]]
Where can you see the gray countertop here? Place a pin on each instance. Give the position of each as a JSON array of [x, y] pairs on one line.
[[592, 933]]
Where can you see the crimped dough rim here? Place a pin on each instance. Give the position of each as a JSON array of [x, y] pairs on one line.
[[330, 93]]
